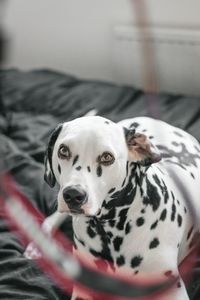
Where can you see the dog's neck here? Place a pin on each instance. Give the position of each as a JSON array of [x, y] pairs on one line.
[[122, 199]]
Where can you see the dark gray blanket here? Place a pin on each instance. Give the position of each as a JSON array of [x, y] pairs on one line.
[[31, 105]]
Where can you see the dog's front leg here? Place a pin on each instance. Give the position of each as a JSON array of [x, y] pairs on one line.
[[49, 225], [53, 222]]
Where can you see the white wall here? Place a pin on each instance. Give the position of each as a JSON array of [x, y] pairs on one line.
[[75, 36]]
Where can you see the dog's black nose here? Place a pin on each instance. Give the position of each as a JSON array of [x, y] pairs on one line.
[[74, 196]]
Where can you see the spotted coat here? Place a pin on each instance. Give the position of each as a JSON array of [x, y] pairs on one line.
[[142, 213]]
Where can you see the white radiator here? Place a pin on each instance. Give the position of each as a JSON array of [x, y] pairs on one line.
[[177, 58]]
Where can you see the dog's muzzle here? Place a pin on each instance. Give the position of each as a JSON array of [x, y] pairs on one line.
[[75, 197]]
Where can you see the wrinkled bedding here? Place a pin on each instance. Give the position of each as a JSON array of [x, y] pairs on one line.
[[31, 105]]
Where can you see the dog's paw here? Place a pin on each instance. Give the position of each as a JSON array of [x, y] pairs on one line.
[[32, 252]]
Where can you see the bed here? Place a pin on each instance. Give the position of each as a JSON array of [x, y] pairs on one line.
[[31, 105]]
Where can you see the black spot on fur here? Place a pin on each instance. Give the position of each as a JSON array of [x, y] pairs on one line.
[[91, 232], [152, 198], [106, 122], [163, 188], [105, 252], [136, 261], [151, 137], [185, 210], [175, 144], [173, 197], [178, 285], [173, 211], [78, 168], [110, 214], [178, 133], [190, 232], [125, 196], [122, 218], [184, 156], [92, 223], [154, 225], [165, 193], [163, 215], [88, 168], [143, 211], [109, 234], [111, 190], [120, 260], [136, 272], [75, 160], [117, 242], [126, 168], [95, 253], [192, 175], [123, 183], [99, 171], [134, 124], [111, 223], [59, 169], [128, 228], [154, 243], [179, 220], [140, 221]]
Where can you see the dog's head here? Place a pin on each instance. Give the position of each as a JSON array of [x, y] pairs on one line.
[[88, 157]]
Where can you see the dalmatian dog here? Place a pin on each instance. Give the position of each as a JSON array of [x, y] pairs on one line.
[[116, 181]]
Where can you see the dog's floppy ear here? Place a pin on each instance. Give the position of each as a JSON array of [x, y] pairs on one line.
[[49, 176], [140, 148]]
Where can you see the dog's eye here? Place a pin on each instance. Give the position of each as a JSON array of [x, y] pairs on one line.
[[64, 152], [106, 159]]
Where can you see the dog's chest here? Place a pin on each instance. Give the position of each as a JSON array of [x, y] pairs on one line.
[[105, 241], [132, 242]]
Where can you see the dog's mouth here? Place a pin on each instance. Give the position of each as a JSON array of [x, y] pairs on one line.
[[76, 211], [79, 211]]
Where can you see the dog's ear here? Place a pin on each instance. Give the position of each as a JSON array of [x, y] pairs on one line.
[[49, 176], [140, 148]]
